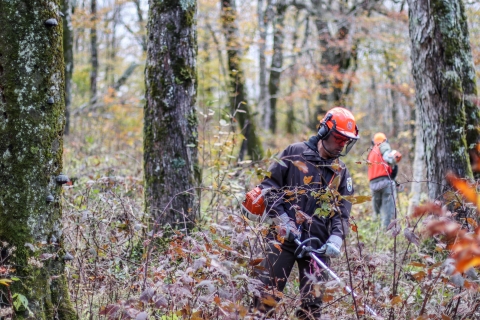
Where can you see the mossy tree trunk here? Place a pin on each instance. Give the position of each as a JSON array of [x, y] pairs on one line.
[[32, 119], [441, 65], [170, 129], [238, 97], [67, 10]]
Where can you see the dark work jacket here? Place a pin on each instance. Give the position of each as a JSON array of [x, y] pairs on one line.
[[287, 178]]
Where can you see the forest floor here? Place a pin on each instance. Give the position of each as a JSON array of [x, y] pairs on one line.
[[122, 271]]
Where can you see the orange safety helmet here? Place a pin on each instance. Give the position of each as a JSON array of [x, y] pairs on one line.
[[379, 137], [254, 203], [341, 121]]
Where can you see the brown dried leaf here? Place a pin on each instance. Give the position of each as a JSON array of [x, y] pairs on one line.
[[419, 275], [472, 222], [357, 199], [301, 166], [269, 301], [254, 262], [301, 217], [336, 166], [307, 179], [416, 264], [396, 300], [464, 188], [427, 208]]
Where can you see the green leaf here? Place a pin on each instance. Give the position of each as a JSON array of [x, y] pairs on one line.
[[20, 300]]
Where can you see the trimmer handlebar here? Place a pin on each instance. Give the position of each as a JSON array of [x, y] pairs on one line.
[[303, 249]]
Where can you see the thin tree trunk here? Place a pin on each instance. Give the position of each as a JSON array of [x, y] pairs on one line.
[[67, 10], [418, 168], [277, 62], [390, 72], [170, 130], [334, 63], [263, 26], [238, 97], [126, 74], [93, 52], [32, 108], [440, 52], [141, 23], [290, 127]]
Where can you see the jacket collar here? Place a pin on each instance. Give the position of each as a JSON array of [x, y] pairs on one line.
[[312, 143]]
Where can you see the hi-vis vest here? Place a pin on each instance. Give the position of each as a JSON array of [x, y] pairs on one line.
[[378, 168]]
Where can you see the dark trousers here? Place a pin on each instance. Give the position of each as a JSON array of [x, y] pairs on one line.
[[278, 266]]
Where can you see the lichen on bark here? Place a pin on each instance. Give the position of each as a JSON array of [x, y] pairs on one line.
[[170, 126], [445, 83], [31, 73]]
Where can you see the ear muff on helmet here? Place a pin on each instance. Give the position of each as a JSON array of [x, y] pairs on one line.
[[323, 130]]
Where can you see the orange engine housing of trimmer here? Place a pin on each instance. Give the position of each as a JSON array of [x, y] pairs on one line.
[[254, 202]]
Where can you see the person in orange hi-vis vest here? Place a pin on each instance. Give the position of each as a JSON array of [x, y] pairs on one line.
[[381, 174]]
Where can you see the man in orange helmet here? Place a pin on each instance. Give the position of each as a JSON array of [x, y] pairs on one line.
[[302, 200], [381, 174]]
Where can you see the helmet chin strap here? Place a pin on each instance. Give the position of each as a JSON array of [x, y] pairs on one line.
[[333, 154]]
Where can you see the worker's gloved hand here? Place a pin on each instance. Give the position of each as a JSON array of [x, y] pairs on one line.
[[286, 232], [332, 246], [286, 228]]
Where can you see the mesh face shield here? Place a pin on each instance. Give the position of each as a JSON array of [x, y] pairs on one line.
[[338, 142]]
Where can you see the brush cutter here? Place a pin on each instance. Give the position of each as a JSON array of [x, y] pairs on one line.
[[305, 249]]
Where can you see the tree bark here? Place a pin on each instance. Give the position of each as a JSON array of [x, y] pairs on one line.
[[277, 63], [238, 97], [170, 130], [32, 120], [67, 10], [93, 52], [440, 56]]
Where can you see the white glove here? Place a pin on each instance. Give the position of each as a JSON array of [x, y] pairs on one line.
[[286, 228], [332, 246]]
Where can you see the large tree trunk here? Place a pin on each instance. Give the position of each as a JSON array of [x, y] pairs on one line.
[[67, 10], [238, 97], [170, 132], [93, 52], [277, 63], [440, 53], [32, 113]]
